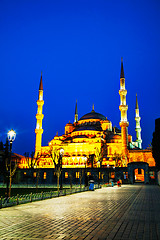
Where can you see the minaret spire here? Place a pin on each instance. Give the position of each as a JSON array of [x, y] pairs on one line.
[[76, 114], [39, 117], [93, 107], [137, 107], [123, 109], [138, 128], [41, 84], [122, 69]]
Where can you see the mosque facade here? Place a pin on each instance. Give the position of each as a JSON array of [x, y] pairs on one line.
[[92, 142]]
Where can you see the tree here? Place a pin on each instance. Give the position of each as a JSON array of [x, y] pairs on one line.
[[1, 146], [100, 154], [81, 173], [118, 159], [10, 164], [56, 155], [2, 161], [70, 177], [32, 161], [91, 160], [156, 143]]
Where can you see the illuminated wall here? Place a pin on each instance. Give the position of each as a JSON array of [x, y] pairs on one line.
[[141, 156]]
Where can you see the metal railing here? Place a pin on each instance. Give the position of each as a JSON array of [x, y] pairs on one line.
[[21, 199]]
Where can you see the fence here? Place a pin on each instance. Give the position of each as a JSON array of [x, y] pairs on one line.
[[158, 176], [20, 199]]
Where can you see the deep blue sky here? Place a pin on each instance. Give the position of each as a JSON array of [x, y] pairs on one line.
[[78, 46]]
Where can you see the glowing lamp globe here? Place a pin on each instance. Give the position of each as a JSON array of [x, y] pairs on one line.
[[61, 151], [11, 135]]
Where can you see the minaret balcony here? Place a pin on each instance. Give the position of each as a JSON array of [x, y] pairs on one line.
[[123, 123], [123, 107], [40, 130], [39, 116], [137, 118], [40, 102], [138, 129], [139, 140], [123, 92]]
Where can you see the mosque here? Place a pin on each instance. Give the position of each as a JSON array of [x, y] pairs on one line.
[[92, 142]]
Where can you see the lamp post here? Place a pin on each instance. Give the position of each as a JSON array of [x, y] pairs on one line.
[[61, 153], [11, 137], [99, 173], [86, 180], [85, 160]]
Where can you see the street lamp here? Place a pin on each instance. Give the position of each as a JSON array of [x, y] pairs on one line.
[[85, 160], [61, 153], [99, 173], [99, 164], [86, 180], [11, 137]]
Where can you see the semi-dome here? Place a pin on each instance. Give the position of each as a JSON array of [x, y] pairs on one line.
[[93, 115]]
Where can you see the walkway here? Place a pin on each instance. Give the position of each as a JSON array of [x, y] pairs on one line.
[[130, 212]]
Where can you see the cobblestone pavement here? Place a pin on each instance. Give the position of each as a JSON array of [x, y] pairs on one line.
[[130, 212]]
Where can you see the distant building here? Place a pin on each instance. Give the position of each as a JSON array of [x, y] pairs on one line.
[[92, 141]]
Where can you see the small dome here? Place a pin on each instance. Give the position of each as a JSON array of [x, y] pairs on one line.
[[69, 124], [114, 136], [93, 115], [107, 121]]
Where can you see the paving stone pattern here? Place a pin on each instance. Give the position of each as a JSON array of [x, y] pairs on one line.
[[129, 212]]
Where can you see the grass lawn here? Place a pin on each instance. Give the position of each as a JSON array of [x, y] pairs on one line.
[[23, 191]]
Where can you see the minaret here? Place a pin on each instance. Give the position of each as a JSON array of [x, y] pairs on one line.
[[76, 114], [39, 117], [138, 128], [123, 108]]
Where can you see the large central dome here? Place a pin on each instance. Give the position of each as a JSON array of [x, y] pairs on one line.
[[93, 115]]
